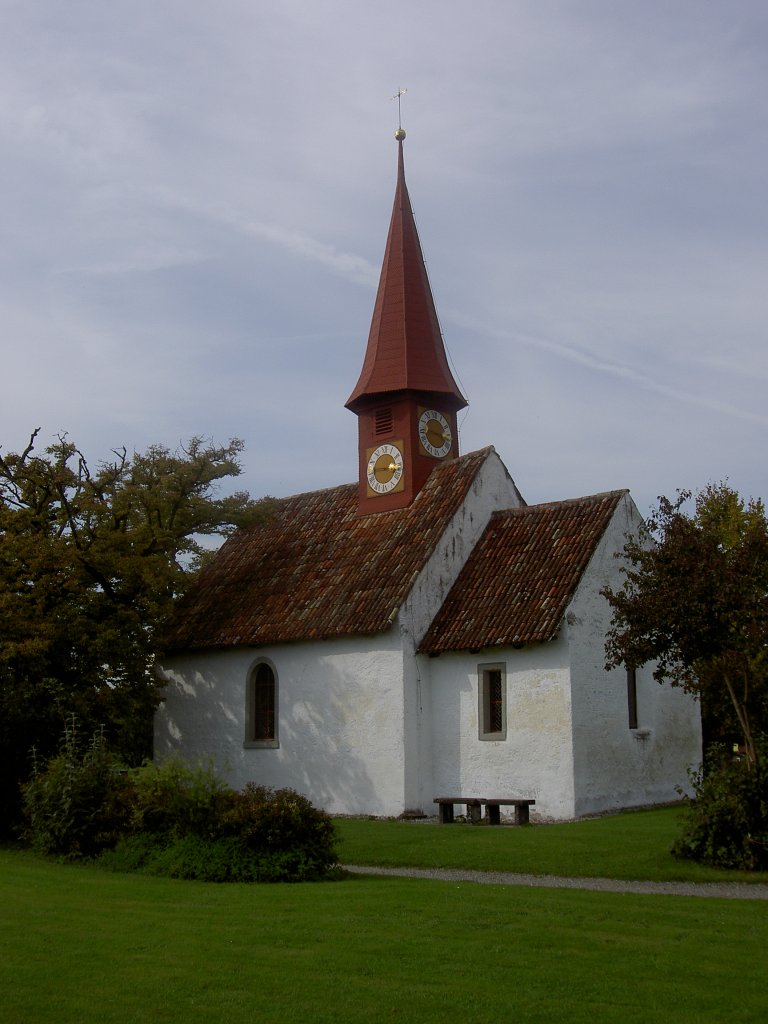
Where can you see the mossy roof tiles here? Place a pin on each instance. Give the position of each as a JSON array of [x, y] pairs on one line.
[[316, 569], [521, 576]]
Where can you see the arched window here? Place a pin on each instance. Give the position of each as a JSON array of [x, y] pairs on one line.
[[261, 707]]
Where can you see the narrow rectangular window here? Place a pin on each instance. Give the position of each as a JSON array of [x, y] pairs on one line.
[[632, 697], [495, 702], [492, 701]]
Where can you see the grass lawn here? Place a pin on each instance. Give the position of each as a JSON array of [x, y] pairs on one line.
[[81, 946], [632, 845]]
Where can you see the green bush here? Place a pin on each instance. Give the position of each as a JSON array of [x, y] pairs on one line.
[[293, 838], [189, 857], [132, 853], [726, 823], [175, 819], [78, 804], [177, 798], [257, 835], [228, 859]]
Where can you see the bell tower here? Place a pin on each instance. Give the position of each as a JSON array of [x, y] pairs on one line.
[[406, 399]]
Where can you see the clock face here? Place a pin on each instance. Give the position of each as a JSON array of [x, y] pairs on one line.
[[385, 469], [435, 433]]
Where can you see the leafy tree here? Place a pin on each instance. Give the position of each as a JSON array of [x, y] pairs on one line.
[[91, 562], [695, 600]]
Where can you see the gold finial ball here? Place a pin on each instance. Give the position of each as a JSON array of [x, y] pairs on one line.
[[400, 134]]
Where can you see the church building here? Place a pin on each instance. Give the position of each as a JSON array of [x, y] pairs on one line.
[[421, 631]]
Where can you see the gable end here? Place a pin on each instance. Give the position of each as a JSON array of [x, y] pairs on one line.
[[521, 576]]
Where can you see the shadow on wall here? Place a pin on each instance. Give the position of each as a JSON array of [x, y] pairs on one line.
[[449, 709], [203, 716], [319, 762]]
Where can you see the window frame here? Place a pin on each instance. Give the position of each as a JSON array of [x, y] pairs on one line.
[[486, 674], [251, 741], [632, 698]]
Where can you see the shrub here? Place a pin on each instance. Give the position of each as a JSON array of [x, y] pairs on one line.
[[261, 836], [177, 798], [209, 860], [726, 823], [77, 805], [293, 839], [204, 860], [189, 857], [175, 819], [131, 853]]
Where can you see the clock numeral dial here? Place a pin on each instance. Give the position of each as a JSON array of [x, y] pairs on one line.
[[435, 433], [385, 468]]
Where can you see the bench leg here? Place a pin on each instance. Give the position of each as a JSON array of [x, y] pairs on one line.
[[473, 813], [522, 814], [494, 815], [445, 813]]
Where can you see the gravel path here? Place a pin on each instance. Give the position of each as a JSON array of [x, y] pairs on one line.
[[718, 890]]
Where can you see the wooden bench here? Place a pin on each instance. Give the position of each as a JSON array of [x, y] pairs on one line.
[[446, 804], [522, 810]]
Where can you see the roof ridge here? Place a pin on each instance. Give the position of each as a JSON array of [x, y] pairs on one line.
[[484, 452], [563, 502], [350, 485]]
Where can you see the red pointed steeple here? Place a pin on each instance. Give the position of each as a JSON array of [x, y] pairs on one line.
[[405, 348], [406, 399]]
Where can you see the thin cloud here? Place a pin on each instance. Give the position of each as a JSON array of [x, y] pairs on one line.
[[138, 263], [348, 265], [617, 370]]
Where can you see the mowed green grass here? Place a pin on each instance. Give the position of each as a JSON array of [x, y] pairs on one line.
[[632, 845], [78, 944]]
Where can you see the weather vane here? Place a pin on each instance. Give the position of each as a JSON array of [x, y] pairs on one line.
[[399, 134]]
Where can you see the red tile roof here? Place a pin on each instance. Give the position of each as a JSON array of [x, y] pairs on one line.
[[317, 569], [521, 576], [405, 347]]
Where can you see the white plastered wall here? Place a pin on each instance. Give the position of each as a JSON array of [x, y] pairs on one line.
[[535, 760], [340, 713], [615, 766]]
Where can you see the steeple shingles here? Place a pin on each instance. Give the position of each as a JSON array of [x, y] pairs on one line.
[[405, 347]]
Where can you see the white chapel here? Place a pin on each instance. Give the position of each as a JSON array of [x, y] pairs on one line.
[[421, 631]]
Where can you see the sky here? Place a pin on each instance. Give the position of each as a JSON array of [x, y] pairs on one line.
[[194, 200]]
